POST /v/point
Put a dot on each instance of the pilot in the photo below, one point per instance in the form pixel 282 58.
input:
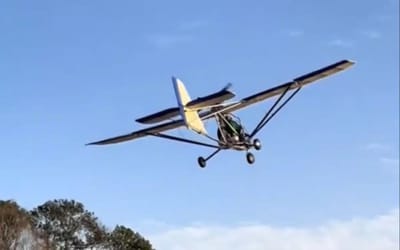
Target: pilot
pixel 233 128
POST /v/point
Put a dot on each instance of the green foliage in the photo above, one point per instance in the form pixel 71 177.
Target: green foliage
pixel 68 225
pixel 62 224
pixel 124 238
pixel 13 221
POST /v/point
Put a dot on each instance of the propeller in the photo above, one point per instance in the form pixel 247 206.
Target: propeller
pixel 228 86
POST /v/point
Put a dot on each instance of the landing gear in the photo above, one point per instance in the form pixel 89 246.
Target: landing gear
pixel 250 158
pixel 202 162
pixel 257 144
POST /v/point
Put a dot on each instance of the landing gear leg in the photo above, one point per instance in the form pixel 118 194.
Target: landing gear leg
pixel 250 158
pixel 203 161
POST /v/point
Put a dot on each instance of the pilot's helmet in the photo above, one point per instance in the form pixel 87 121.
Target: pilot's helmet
pixel 229 117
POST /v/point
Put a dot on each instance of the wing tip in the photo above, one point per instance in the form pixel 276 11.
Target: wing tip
pixel 102 142
pixel 348 62
pixel 345 64
pixel 91 143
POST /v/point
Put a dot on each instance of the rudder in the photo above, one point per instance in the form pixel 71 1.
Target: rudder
pixel 190 116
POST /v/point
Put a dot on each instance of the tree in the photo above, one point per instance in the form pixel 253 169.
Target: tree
pixel 65 224
pixel 62 224
pixel 15 225
pixel 124 238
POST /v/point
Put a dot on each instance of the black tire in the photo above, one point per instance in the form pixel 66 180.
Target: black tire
pixel 257 144
pixel 202 162
pixel 250 158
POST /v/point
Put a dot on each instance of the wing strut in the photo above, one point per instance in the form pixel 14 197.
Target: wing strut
pixel 269 115
pixel 175 138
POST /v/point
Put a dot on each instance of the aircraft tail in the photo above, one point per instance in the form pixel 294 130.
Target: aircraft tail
pixel 190 116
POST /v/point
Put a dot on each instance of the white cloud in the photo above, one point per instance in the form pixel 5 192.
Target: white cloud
pixel 386 158
pixel 371 34
pixel 379 233
pixel 390 161
pixel 182 34
pixel 391 165
pixel 295 33
pixel 376 147
pixel 165 41
pixel 341 43
pixel 384 18
pixel 193 25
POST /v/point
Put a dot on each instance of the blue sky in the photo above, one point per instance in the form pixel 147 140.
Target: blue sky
pixel 75 72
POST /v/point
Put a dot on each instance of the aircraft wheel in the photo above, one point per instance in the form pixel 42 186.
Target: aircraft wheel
pixel 257 144
pixel 202 162
pixel 250 158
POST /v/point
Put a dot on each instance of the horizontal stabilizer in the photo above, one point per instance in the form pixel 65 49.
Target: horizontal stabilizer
pixel 197 104
pixel 210 100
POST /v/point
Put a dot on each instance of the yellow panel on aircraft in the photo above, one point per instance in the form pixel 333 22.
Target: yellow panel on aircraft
pixel 190 116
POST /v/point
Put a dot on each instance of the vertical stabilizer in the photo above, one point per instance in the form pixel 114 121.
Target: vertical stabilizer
pixel 190 116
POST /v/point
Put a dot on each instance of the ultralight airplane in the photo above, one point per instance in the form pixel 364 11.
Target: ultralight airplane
pixel 231 134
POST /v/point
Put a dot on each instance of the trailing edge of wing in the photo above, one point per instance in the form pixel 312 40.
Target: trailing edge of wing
pixel 297 82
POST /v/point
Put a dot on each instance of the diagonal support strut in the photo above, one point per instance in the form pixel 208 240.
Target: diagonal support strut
pixel 175 138
pixel 271 113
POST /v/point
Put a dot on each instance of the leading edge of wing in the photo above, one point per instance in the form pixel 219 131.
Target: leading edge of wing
pixel 140 133
pixel 153 130
pixel 295 83
pixel 324 72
